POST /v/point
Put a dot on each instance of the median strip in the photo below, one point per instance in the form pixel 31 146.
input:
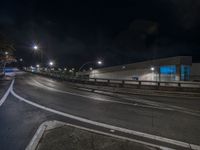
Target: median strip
pixel 51 133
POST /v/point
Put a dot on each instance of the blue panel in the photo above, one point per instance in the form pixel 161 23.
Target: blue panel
pixel 185 73
pixel 168 69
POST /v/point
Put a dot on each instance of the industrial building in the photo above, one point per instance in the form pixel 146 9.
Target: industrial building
pixel 178 68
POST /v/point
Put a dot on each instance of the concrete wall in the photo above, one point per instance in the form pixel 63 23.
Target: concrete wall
pixel 141 70
pixel 195 72
pixel 141 74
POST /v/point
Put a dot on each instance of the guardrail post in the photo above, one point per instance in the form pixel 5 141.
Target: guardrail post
pixel 139 84
pixel 108 81
pixel 122 83
pixel 179 84
pixel 95 80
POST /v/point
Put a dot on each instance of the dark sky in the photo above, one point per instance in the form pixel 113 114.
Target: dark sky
pixel 72 32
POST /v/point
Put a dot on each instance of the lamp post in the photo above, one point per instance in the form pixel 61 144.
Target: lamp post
pixel 38 49
pixel 99 62
pixel 51 63
pixel 152 69
pixel 35 47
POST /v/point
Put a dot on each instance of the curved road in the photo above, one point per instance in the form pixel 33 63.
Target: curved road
pixel 158 122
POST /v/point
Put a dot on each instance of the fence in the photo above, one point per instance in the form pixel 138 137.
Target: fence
pixel 159 85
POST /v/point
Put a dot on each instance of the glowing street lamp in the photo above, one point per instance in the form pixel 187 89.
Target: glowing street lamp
pixel 51 63
pixel 35 47
pixel 99 62
pixel 6 53
pixel 152 68
pixel 37 65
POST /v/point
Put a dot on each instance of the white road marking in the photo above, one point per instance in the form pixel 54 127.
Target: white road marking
pixel 149 104
pixel 111 127
pixel 6 94
pixel 97 98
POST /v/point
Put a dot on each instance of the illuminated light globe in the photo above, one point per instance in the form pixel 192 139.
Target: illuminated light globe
pixel 51 63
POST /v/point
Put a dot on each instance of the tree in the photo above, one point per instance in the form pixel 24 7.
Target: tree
pixel 6 53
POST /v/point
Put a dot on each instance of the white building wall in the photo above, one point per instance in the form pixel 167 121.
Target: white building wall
pixel 195 71
pixel 141 74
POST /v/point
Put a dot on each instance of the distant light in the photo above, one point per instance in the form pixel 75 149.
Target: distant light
pixel 152 68
pixel 21 59
pixel 99 62
pixel 51 63
pixel 123 67
pixel 35 47
pixel 6 53
pixel 91 69
pixel 65 69
pixel 37 65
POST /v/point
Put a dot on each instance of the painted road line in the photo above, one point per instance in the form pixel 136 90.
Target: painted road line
pixel 147 103
pixel 124 130
pixel 6 94
pixel 97 98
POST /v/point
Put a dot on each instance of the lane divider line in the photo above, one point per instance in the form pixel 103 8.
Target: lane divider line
pixel 6 94
pixel 124 130
pixel 153 105
pixel 97 98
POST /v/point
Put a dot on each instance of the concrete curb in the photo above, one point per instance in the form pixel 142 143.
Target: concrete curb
pixel 47 125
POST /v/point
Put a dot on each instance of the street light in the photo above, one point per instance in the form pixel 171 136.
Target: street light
pixel 51 63
pixel 37 65
pixel 6 53
pixel 35 47
pixel 99 62
pixel 152 68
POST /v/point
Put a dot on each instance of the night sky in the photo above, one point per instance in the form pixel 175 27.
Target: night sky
pixel 73 32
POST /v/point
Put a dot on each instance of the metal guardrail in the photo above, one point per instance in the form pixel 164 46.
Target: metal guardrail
pixel 122 83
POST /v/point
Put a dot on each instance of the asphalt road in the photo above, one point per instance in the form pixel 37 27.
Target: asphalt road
pixel 39 99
